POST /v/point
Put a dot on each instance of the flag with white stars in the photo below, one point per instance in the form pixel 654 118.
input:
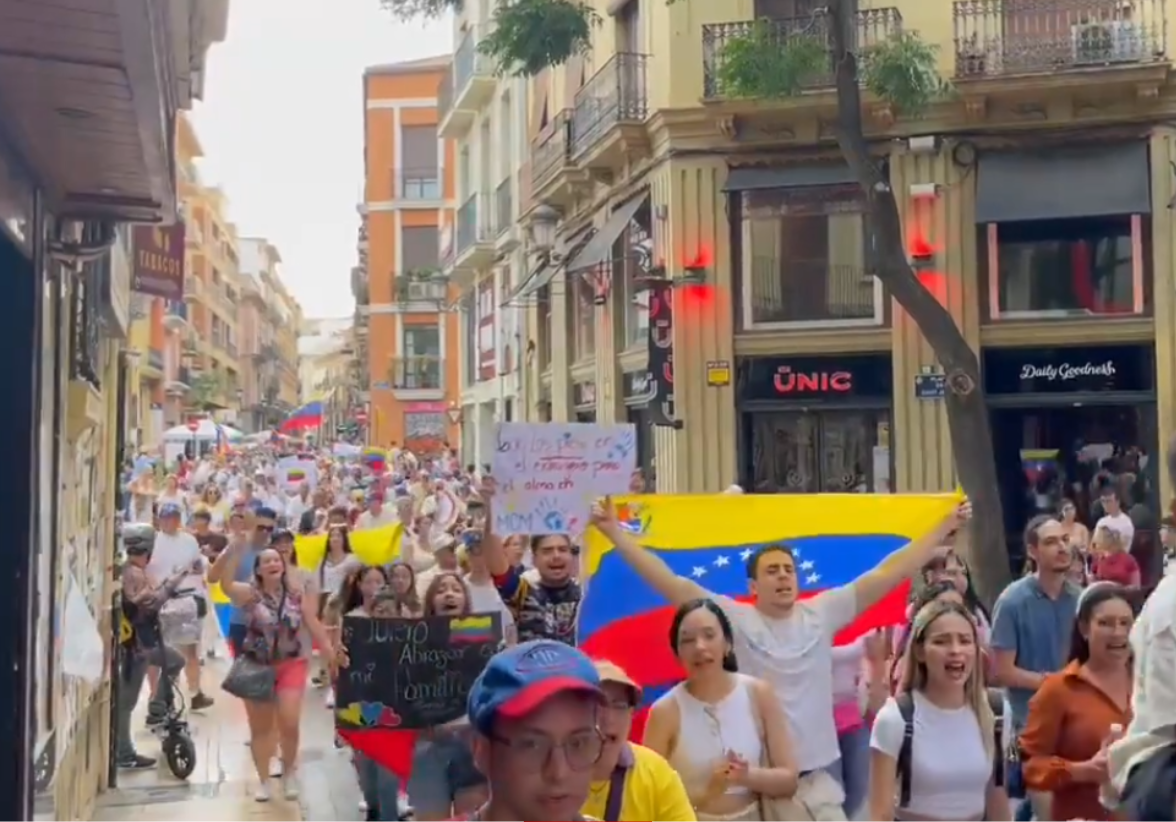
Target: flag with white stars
pixel 833 538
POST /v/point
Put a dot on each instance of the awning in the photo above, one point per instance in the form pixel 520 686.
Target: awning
pixel 1095 181
pixel 599 249
pixel 758 179
pixel 541 276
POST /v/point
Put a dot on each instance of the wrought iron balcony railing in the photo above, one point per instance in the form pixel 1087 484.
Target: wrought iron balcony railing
pixel 551 148
pixel 503 207
pixel 616 94
pixel 473 220
pixel 416 373
pixel 871 26
pixel 791 291
pixel 417 184
pixel 995 38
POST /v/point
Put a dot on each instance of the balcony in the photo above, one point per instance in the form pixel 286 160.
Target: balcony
pixel 421 292
pixel 1002 39
pixel 180 384
pixel 418 184
pixel 810 293
pixel 175 316
pixel 473 242
pixel 417 376
pixel 873 26
pixel 608 118
pixel 555 179
pixel 465 88
pixel 153 365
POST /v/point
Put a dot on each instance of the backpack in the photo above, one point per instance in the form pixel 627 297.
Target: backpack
pixel 906 707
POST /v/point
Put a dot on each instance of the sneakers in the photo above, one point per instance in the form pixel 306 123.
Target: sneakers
pixel 290 787
pixel 331 699
pixel 136 762
pixel 262 794
pixel 155 720
pixel 201 702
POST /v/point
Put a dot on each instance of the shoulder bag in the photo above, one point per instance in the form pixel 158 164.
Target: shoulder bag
pixel 252 680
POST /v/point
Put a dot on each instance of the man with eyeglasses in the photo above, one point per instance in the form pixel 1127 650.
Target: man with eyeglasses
pixel 535 711
pixel 256 539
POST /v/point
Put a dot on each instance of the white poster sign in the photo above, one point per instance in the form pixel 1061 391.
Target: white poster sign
pixel 293 471
pixel 549 474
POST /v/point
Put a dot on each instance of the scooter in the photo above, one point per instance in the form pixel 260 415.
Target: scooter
pixel 172 729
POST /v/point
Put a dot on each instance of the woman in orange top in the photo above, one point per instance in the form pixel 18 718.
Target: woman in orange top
pixel 1064 743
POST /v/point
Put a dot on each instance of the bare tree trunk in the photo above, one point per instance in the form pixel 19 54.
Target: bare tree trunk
pixel 967 410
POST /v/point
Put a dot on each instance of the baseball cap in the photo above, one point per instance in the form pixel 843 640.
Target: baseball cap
pixel 518 680
pixel 611 672
pixel 169 509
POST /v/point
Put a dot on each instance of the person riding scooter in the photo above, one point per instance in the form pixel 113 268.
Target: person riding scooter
pixel 142 642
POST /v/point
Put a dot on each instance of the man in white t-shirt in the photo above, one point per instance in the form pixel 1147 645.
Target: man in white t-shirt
pixel 1114 518
pixel 376 515
pixel 783 640
pixel 484 596
pixel 176 550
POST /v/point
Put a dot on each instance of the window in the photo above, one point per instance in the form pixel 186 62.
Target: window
pixel 419 177
pixel 469 348
pixel 419 248
pixel 422 341
pixel 632 257
pixel 805 259
pixel 545 329
pixel 1066 268
pixel 629 28
pixel 583 318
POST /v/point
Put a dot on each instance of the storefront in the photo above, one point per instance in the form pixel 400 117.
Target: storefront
pixel 637 390
pixel 1067 420
pixel 814 424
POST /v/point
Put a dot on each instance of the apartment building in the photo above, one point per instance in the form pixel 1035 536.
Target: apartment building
pixel 791 368
pixel 266 385
pixel 287 316
pixel 410 335
pixel 485 116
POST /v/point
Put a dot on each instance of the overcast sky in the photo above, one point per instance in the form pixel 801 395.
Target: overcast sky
pixel 282 128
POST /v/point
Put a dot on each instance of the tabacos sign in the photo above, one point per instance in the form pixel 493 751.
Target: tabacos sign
pixel 790 383
pixel 1066 371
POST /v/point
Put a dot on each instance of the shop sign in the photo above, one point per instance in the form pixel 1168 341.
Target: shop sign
pixel 1068 370
pixel 660 350
pixel 796 379
pixel 157 267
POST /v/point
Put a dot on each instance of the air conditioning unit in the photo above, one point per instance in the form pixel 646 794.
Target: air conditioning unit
pixel 1108 41
pixel 422 290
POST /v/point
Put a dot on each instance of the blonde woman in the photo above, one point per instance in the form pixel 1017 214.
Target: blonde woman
pixel 935 751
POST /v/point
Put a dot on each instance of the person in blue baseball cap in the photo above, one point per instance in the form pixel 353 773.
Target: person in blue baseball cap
pixel 534 713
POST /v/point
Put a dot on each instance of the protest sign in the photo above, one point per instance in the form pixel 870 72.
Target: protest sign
pixel 293 471
pixel 549 474
pixel 411 674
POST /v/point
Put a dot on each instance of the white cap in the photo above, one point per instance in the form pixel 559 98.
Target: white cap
pixel 733 489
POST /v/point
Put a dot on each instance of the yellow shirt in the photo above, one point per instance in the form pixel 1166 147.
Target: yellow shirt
pixel 653 790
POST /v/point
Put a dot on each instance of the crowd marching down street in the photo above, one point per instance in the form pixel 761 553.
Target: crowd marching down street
pixel 649 657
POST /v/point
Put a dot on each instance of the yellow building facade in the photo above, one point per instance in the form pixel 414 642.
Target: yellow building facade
pixel 1035 204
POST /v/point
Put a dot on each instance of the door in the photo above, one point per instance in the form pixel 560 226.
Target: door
pixel 809 452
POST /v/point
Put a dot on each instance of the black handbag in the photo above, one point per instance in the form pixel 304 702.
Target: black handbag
pixel 251 679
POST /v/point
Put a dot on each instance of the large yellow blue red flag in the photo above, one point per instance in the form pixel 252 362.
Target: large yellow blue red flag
pixel 835 539
pixel 375 546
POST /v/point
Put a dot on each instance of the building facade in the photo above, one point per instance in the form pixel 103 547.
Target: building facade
pixel 326 367
pixel 71 179
pixel 1035 205
pixel 410 335
pixel 485 116
pixel 265 367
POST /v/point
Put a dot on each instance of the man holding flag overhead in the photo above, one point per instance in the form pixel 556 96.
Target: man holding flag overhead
pixel 781 636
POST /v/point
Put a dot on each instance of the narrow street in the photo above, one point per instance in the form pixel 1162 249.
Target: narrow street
pixel 222 786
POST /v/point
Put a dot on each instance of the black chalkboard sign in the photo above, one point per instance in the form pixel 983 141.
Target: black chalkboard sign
pixel 411 673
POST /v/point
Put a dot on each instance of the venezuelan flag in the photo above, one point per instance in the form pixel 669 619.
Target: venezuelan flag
pixel 305 416
pixel 377 546
pixel 375 458
pixel 835 538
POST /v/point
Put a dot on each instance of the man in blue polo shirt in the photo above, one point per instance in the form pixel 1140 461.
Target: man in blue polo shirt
pixel 259 528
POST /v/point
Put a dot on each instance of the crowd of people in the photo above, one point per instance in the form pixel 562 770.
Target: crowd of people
pixel 1063 697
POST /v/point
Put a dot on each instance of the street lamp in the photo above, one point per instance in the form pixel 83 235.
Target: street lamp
pixel 544 221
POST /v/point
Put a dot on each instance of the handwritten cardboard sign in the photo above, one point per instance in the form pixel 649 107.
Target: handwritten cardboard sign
pixel 550 473
pixel 411 674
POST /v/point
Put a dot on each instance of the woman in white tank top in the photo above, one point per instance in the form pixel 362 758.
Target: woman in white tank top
pixel 722 731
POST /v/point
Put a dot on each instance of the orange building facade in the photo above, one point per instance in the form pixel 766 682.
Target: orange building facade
pixel 413 342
